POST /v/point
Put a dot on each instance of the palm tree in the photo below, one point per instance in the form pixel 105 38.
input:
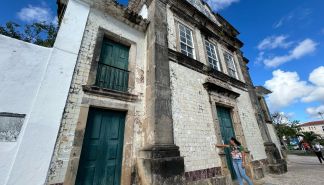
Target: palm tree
pixel 309 137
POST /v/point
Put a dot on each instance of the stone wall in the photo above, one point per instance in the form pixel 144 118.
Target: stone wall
pixel 250 126
pixel 194 129
pixel 10 126
pixel 68 147
pixel 274 137
pixel 199 37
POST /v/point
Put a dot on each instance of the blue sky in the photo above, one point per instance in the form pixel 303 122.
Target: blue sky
pixel 284 41
pixel 27 11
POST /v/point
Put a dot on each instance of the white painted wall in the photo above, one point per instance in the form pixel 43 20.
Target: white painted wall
pixel 22 66
pixel 37 84
pixel 317 129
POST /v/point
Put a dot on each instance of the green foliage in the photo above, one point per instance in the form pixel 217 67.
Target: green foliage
pixel 286 129
pixel 290 129
pixel 321 141
pixel 39 33
pixel 309 137
pixel 284 126
pixel 10 30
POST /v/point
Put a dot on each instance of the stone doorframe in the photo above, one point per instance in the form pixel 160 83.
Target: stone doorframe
pixel 89 101
pixel 220 94
pixel 106 34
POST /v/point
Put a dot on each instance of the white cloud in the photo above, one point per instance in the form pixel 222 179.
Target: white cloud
pixel 279 23
pixel 315 112
pixel 284 20
pixel 220 4
pixel 317 78
pixel 299 14
pixel 316 95
pixel 259 58
pixel 274 42
pixel 286 88
pixel 305 47
pixel 55 20
pixel 36 14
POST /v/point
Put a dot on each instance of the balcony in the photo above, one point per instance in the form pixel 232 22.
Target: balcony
pixel 110 77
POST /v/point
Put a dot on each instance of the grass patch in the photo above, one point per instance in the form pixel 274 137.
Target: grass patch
pixel 301 152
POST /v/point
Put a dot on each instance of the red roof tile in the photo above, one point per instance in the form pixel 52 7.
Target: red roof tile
pixel 321 122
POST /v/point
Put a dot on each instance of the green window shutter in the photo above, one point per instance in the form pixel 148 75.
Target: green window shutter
pixel 112 70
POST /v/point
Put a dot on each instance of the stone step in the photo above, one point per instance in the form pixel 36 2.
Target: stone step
pixel 277 168
pixel 258 173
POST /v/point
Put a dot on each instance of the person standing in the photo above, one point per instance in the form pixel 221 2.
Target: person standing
pixel 238 159
pixel 318 152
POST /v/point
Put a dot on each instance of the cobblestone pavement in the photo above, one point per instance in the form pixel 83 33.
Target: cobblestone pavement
pixel 302 170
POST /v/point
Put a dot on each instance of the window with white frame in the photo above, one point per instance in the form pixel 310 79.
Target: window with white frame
pixel 230 65
pixel 186 41
pixel 212 55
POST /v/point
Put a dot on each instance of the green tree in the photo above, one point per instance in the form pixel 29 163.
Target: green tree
pixel 286 129
pixel 40 33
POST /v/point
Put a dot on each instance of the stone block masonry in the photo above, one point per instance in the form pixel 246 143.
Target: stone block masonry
pixel 250 126
pixel 10 126
pixel 274 137
pixel 194 130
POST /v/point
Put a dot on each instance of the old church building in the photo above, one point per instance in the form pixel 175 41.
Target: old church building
pixel 152 88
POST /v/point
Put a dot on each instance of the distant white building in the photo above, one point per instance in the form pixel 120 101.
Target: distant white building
pixel 314 126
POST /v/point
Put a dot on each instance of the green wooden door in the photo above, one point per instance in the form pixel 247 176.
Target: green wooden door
pixel 101 156
pixel 113 66
pixel 227 131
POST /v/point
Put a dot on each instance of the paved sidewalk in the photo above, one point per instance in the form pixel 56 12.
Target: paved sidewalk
pixel 302 170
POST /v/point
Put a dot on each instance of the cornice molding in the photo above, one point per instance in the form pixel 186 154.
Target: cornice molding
pixel 109 93
pixel 197 66
pixel 225 36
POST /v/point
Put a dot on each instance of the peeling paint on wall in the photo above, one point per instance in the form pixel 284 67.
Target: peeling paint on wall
pixel 10 126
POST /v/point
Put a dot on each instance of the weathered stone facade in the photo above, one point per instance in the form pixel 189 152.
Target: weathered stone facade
pixel 171 124
pixel 69 142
